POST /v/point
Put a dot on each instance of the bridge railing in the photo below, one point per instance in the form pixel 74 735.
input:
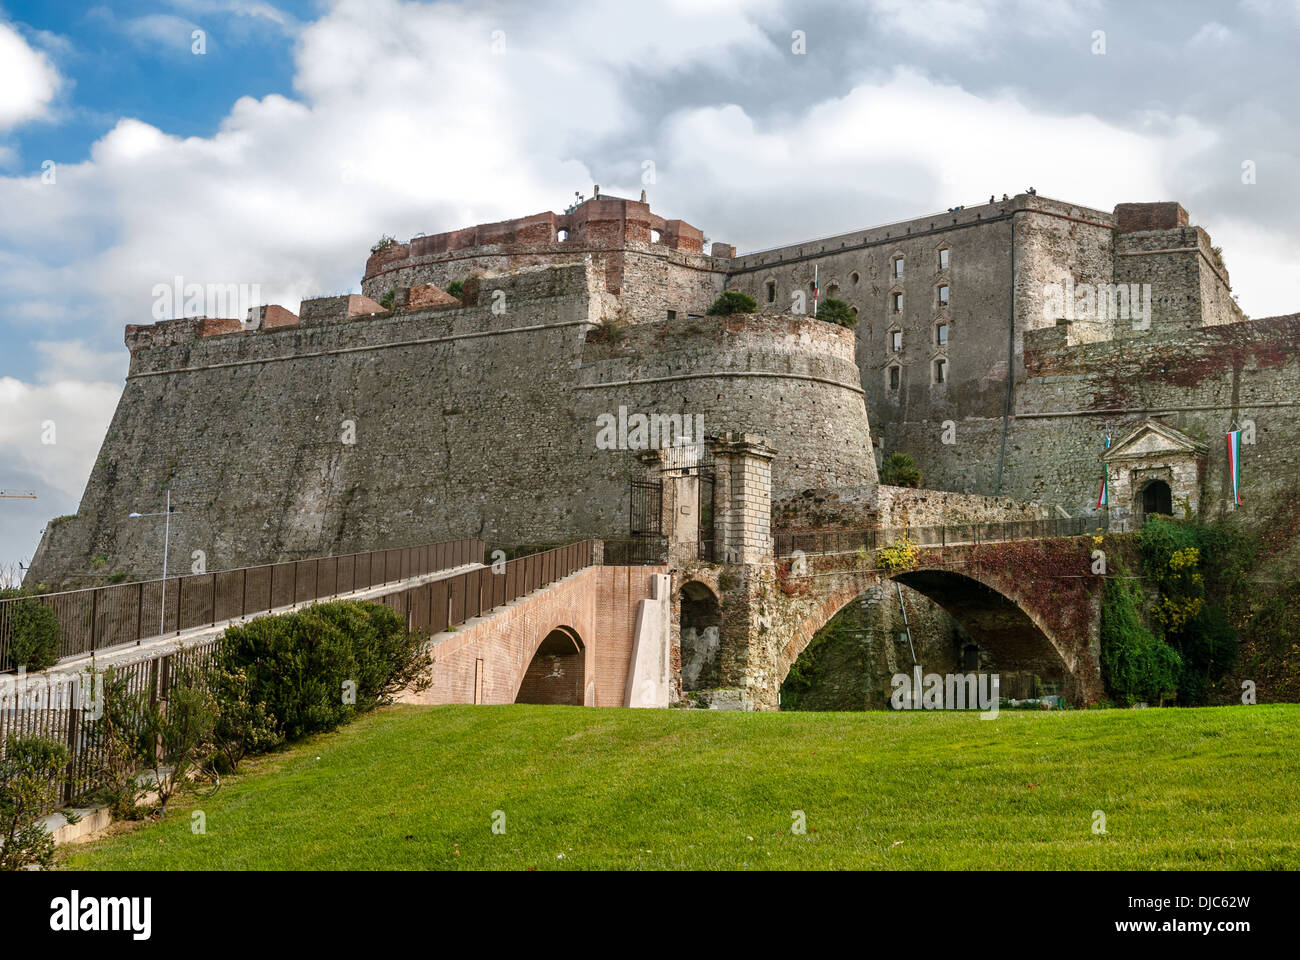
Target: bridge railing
pixel 789 542
pixel 96 618
pixel 434 607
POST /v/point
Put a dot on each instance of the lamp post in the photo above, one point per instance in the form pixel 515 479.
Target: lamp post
pixel 167 522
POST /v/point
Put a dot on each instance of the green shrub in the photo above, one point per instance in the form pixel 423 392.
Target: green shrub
pixel 242 726
pixel 733 301
pixel 900 470
pixel 34 635
pixel 833 310
pixel 312 670
pixel 29 787
pixel 389 299
pixel 456 288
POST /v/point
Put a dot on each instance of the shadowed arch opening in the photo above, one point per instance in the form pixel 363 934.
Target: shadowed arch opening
pixel 1014 642
pixel 701 624
pixel 557 672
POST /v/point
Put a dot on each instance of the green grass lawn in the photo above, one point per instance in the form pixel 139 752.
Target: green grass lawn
pixel 416 788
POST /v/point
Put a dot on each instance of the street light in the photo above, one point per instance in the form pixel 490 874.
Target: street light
pixel 167 513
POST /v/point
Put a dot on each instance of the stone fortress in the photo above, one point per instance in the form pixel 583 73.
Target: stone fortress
pixel 406 415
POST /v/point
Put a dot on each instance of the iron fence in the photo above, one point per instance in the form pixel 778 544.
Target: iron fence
pixel 849 541
pixel 97 618
pixel 637 551
pixel 431 608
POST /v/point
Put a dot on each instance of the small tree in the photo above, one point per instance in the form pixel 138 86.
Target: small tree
pixel 29 786
pixel 833 310
pixel 34 642
pixel 733 301
pixel 182 728
pixel 900 470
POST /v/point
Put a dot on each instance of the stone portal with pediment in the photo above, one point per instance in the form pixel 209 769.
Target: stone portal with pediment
pixel 1149 456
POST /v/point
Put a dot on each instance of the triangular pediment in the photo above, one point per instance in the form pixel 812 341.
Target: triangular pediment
pixel 1153 439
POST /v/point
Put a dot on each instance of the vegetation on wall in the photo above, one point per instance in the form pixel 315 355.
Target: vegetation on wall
pixel 1136 666
pixel 900 470
pixel 733 301
pixel 456 288
pixel 833 310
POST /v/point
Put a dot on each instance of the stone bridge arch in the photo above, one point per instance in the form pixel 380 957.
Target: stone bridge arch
pixel 1050 630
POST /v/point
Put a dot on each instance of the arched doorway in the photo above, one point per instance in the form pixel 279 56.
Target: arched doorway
pixel 1157 498
pixel 557 671
pixel 701 623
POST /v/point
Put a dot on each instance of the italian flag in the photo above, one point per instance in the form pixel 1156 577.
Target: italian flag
pixel 1103 498
pixel 1234 465
pixel 816 290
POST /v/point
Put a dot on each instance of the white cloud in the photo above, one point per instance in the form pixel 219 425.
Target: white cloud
pixel 28 81
pixel 79 412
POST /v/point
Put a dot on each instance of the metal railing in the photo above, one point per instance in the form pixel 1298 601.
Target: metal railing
pixel 636 551
pixel 431 608
pixel 97 618
pixel 849 541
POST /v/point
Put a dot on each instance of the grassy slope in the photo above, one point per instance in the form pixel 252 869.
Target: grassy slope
pixel 408 787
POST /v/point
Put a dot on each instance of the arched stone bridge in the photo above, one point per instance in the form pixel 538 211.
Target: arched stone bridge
pixel 1033 605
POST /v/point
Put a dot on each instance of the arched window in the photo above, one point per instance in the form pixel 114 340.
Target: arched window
pixel 654 236
pixel 854 277
pixel 562 235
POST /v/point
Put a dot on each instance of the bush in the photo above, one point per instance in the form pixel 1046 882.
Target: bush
pixel 29 787
pixel 733 301
pixel 312 670
pixel 900 470
pixel 34 637
pixel 242 726
pixel 833 310
pixel 456 288
pixel 389 299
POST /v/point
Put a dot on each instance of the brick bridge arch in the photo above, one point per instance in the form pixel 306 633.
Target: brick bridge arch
pixel 1031 604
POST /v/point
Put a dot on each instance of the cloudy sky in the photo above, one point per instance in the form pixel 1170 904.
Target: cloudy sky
pixel 278 144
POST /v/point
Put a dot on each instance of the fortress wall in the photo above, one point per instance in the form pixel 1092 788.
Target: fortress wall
pixel 465 424
pixel 465 430
pixel 790 379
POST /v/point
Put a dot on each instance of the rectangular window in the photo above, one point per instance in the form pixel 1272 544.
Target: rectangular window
pixel 672 314
pixel 896 300
pixel 896 340
pixel 939 368
pixel 943 259
pixel 898 267
pixel 941 334
pixel 893 378
pixel 943 295
pixel 771 293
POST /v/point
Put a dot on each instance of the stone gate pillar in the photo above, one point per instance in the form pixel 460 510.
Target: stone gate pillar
pixel 742 512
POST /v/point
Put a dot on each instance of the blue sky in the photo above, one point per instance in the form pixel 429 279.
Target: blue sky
pixel 305 131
